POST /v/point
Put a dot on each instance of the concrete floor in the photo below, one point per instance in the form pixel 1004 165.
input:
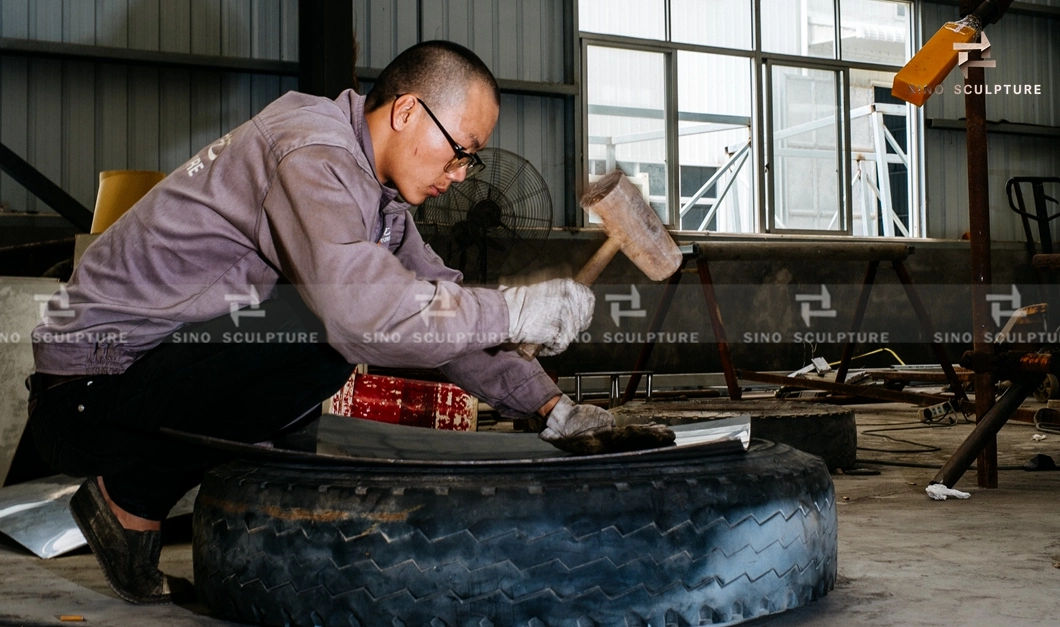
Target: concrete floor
pixel 904 559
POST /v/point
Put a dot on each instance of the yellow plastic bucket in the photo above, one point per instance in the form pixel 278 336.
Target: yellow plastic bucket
pixel 118 191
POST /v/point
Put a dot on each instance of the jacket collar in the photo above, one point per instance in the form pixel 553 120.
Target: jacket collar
pixel 390 199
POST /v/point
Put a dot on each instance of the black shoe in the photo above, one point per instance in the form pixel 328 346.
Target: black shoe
pixel 129 559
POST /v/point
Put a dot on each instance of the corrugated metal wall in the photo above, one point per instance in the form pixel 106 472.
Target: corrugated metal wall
pixel 73 119
pixel 1027 51
pixel 259 29
pixel 518 39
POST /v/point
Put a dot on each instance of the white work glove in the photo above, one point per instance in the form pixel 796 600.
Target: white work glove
pixel 551 313
pixel 590 430
pixel 567 422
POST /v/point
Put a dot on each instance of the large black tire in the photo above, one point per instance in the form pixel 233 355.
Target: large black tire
pixel 827 431
pixel 638 540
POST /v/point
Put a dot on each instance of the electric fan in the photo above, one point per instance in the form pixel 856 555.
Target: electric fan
pixel 492 224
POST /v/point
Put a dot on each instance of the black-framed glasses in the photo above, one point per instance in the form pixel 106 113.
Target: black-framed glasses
pixel 462 158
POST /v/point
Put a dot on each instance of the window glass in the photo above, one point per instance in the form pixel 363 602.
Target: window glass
pixel 805 28
pixel 805 165
pixel 881 187
pixel 815 181
pixel 724 23
pixel 875 31
pixel 714 122
pixel 627 122
pixel 632 18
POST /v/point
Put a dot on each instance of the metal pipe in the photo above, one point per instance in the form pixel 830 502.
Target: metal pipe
pixel 43 188
pixel 929 329
pixel 979 221
pixel 707 283
pixel 656 324
pixel 714 179
pixel 988 11
pixel 985 431
pixel 859 317
pixel 804 251
pixel 850 389
pixel 725 191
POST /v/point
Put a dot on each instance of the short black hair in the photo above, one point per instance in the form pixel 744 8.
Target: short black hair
pixel 439 72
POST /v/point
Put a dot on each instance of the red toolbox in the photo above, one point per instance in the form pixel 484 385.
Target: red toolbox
pixel 407 402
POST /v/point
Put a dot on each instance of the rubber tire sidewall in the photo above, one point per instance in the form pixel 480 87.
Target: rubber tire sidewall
pixel 717 539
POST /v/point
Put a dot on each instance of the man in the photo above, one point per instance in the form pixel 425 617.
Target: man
pixel 306 207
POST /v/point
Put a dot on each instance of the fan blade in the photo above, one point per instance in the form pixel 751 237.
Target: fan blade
pixel 515 177
pixel 460 190
pixel 514 202
pixel 495 245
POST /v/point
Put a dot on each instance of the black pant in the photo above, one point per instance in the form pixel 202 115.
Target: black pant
pixel 238 386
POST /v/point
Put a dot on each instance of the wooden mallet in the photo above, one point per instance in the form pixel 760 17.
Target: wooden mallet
pixel 632 227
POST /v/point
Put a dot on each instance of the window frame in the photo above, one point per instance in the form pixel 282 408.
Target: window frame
pixel 762 178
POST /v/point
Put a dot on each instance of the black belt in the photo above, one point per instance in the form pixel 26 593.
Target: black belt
pixel 40 381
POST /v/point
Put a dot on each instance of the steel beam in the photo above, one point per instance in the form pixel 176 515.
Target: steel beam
pixel 42 187
pixel 325 47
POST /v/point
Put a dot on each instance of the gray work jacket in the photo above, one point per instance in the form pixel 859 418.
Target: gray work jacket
pixel 291 193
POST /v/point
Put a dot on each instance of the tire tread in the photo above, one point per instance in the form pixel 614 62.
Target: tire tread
pixel 262 554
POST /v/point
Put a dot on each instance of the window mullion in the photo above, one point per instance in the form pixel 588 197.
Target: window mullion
pixel 845 156
pixel 837 29
pixel 758 134
pixel 673 170
pixel 666 21
pixel 767 169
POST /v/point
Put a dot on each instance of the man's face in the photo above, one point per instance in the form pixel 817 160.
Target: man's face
pixel 419 169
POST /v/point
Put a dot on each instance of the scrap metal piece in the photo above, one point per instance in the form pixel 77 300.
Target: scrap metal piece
pixel 1025 322
pixel 36 514
pixel 349 442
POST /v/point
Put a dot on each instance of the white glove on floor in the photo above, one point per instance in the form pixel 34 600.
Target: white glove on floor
pixel 567 420
pixel 551 313
pixel 939 492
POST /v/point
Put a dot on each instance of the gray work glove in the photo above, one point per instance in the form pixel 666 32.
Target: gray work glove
pixel 551 313
pixel 590 430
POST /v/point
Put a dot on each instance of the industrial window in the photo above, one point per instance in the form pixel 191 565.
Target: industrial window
pixel 733 124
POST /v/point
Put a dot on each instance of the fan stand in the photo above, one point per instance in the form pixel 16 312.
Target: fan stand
pixel 481 217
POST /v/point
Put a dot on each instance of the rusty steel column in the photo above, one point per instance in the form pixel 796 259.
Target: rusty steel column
pixel 656 324
pixel 979 221
pixel 929 330
pixel 859 317
pixel 986 428
pixel 707 283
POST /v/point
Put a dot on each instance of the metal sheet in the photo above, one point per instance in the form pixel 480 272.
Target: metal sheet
pixel 36 514
pixel 352 442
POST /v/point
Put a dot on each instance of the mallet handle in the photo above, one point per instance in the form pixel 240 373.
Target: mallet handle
pixel 596 264
pixel 586 276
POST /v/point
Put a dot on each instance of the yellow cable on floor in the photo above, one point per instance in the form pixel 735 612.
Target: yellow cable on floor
pixel 878 350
